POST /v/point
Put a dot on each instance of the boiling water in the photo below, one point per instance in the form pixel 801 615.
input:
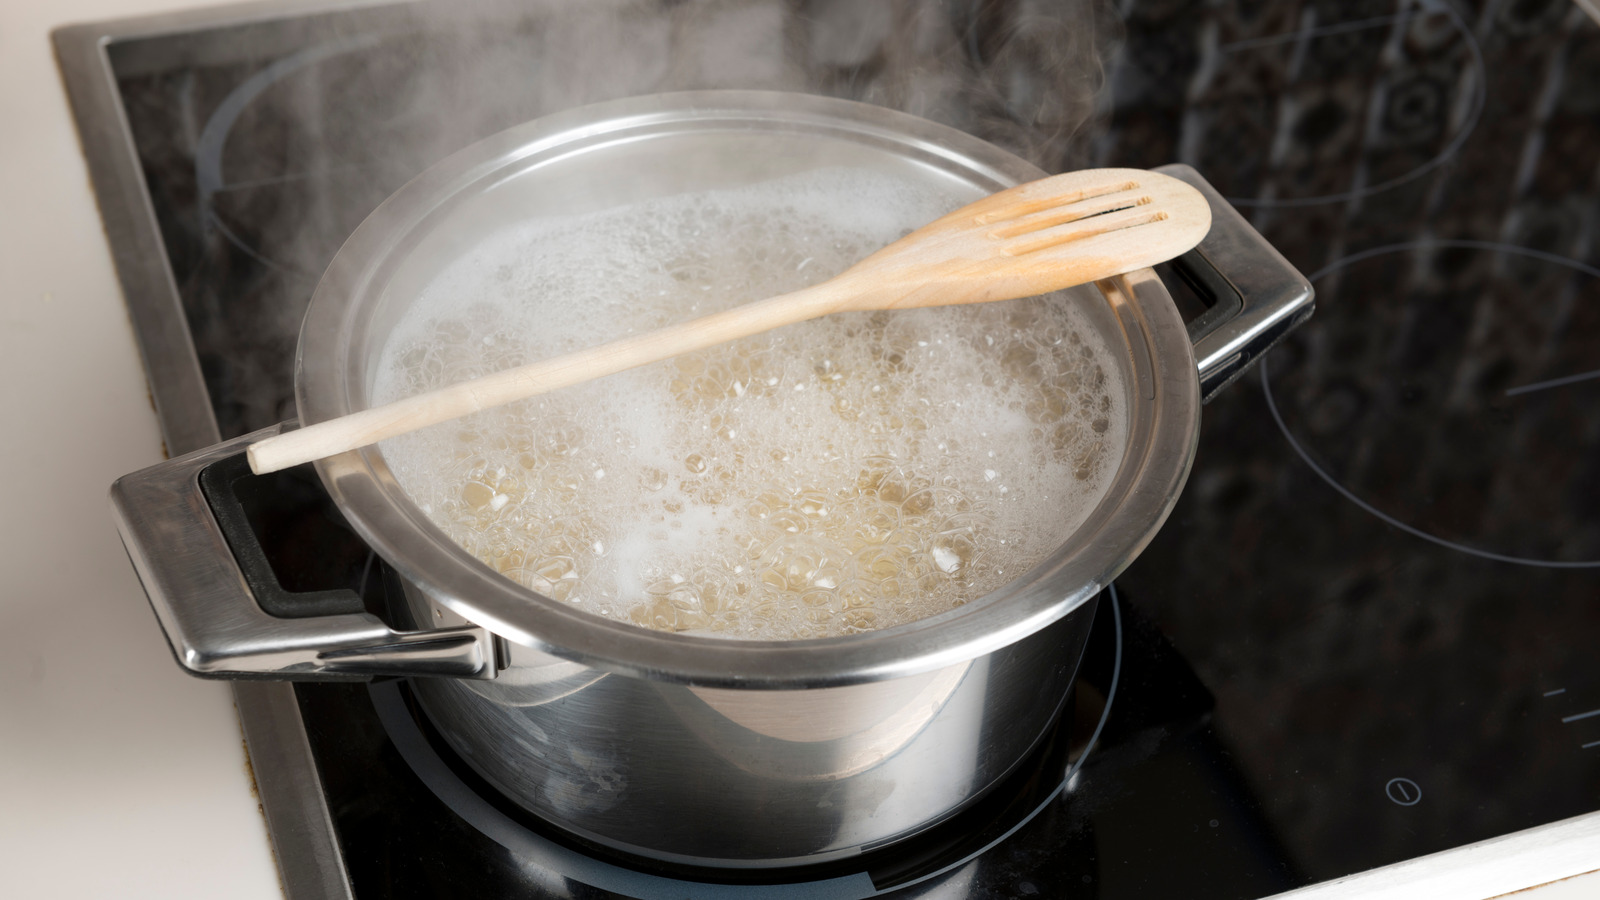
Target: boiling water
pixel 849 473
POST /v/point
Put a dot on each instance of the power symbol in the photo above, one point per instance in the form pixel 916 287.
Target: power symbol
pixel 1403 791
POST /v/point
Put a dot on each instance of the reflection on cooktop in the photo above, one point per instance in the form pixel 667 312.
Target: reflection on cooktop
pixel 1133 765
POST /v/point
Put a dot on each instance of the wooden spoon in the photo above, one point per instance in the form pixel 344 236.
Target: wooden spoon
pixel 1031 239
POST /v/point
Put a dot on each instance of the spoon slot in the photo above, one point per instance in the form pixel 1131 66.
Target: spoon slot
pixel 1063 215
pixel 1066 234
pixel 1024 207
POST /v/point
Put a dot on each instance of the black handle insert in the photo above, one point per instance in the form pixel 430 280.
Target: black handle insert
pixel 294 547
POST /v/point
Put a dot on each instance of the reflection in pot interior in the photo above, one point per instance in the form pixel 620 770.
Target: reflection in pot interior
pixel 839 731
pixel 846 474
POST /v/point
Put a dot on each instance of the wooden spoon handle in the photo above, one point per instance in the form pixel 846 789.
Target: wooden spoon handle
pixel 372 425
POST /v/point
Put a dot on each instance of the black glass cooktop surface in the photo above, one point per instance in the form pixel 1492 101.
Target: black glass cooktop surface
pixel 1367 631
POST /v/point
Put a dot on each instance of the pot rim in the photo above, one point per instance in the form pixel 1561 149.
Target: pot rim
pixel 1164 408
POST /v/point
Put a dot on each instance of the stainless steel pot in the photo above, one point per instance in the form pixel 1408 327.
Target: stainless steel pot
pixel 695 749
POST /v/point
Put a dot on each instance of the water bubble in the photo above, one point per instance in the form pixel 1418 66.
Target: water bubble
pixel 477 495
pixel 820 512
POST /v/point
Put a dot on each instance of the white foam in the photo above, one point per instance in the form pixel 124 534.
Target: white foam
pixel 848 473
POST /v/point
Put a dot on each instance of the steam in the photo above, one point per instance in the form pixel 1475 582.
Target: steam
pixel 1025 74
pixel 371 97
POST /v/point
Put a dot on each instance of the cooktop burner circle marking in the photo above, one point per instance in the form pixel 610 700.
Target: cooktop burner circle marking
pixel 1480 91
pixel 566 864
pixel 1553 383
pixel 1305 456
pixel 209 146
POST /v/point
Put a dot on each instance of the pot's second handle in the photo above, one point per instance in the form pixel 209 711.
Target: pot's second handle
pixel 222 608
pixel 1260 296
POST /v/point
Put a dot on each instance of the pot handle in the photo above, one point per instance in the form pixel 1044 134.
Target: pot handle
pixel 222 608
pixel 1258 297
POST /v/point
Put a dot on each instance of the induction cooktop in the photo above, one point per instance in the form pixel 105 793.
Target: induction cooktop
pixel 1364 637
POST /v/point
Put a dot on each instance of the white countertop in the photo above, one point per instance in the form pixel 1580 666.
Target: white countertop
pixel 119 775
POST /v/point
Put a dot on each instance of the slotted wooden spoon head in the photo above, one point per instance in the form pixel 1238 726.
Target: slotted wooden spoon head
pixel 1035 238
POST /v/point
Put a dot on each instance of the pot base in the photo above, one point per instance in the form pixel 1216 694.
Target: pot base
pixel 666 776
pixel 1011 803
